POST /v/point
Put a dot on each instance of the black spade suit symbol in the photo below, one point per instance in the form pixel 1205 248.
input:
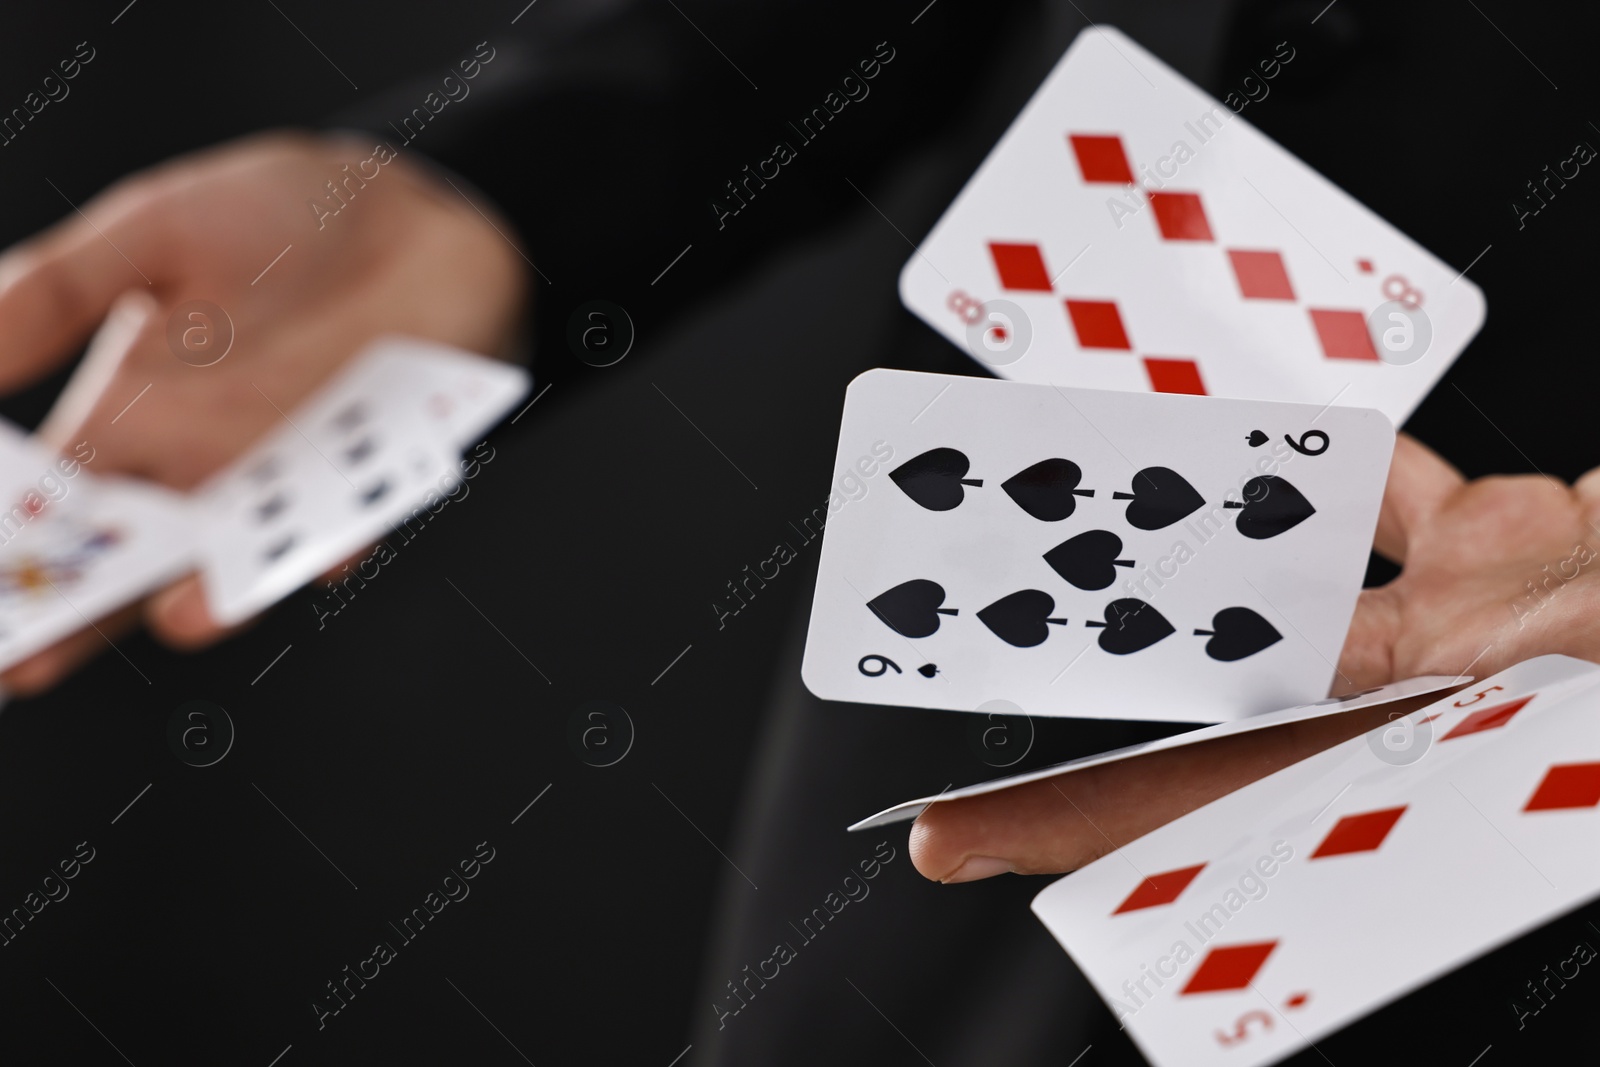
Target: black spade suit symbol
pixel 1270 506
pixel 1236 633
pixel 1161 496
pixel 911 609
pixel 1048 489
pixel 1131 625
pixel 934 479
pixel 1089 560
pixel 1256 439
pixel 1021 618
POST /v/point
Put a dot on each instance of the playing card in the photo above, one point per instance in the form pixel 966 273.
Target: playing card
pixel 1033 549
pixel 366 452
pixel 1130 232
pixel 1366 698
pixel 74 548
pixel 355 460
pixel 462 394
pixel 1251 927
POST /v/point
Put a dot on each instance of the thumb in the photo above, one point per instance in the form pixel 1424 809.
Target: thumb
pixel 57 286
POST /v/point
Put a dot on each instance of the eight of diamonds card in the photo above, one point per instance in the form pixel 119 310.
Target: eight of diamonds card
pixel 1129 232
pixel 1092 554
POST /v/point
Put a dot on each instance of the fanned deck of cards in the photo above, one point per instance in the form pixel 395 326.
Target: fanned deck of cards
pixel 378 441
pixel 1167 514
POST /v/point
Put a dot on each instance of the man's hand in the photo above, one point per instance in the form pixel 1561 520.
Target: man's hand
pixel 1494 572
pixel 405 253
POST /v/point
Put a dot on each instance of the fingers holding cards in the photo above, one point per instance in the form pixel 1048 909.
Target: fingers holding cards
pixel 1062 823
pixel 1398 698
pixel 372 449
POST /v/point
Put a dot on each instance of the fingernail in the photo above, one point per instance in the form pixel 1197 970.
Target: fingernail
pixel 977 867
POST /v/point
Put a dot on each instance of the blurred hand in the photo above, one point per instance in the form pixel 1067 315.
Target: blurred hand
pixel 1471 554
pixel 406 253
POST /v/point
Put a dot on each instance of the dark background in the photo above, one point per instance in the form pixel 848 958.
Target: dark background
pixel 414 724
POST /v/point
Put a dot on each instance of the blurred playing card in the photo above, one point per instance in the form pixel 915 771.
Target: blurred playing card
pixel 74 548
pixel 369 450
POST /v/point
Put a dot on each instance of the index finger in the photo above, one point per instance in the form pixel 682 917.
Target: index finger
pixel 56 287
pixel 1059 824
pixel 1419 482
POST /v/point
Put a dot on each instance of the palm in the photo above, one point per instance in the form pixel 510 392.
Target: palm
pixel 1495 571
pixel 1462 605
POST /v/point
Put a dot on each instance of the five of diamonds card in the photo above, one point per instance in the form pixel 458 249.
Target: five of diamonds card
pixel 1255 925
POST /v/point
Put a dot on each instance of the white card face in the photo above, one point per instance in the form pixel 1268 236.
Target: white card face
pixel 1251 927
pixel 1129 556
pixel 1230 268
pixel 22 463
pixel 83 549
pixel 462 394
pixel 1367 698
pixel 356 459
pixel 360 456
